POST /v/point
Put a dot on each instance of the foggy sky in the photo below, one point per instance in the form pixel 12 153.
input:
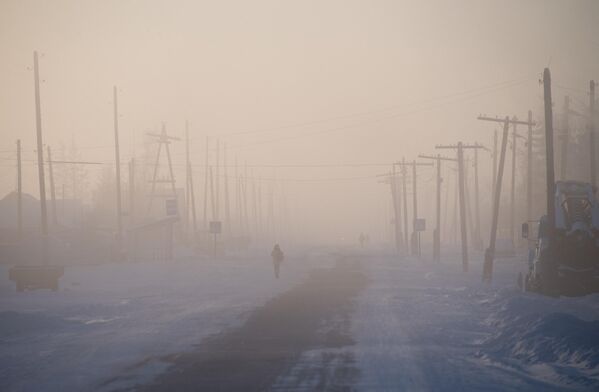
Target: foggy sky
pixel 288 69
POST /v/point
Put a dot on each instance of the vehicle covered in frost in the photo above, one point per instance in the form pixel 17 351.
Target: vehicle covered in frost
pixel 570 266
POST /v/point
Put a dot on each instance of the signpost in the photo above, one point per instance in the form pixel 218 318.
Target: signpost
pixel 215 228
pixel 171 207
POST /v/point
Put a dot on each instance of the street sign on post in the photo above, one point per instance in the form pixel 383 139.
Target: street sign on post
pixel 215 227
pixel 419 224
pixel 171 207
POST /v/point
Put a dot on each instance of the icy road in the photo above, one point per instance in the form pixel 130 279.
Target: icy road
pixel 336 320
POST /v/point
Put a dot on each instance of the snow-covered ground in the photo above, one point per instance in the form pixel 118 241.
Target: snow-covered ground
pixel 425 326
pixel 108 317
pixel 415 326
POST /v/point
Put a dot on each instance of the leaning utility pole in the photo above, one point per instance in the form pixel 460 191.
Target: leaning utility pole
pixel 52 189
pixel 19 192
pixel 514 122
pixel 490 252
pixel 40 160
pixel 119 212
pixel 591 131
pixel 462 196
pixel 437 231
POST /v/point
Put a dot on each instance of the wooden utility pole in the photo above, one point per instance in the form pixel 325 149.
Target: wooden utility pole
pixel 513 187
pixel 549 158
pixel 591 131
pixel 217 179
pixel 193 204
pixel 478 243
pixel 415 244
pixel 19 192
pixel 437 231
pixel 119 211
pixel 529 170
pixel 515 135
pixel 490 252
pixel 187 179
pixel 462 207
pixel 462 196
pixel 564 139
pixel 40 160
pixel 132 191
pixel 212 199
pixel 238 198
pixel 52 188
pixel 396 210
pixel 206 162
pixel 494 161
pixel 226 190
pixel 404 174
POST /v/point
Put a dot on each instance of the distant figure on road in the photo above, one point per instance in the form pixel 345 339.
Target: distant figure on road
pixel 362 240
pixel 277 258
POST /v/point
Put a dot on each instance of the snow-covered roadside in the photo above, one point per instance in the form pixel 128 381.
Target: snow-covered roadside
pixel 424 326
pixel 108 317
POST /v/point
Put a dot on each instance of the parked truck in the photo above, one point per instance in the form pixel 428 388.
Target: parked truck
pixel 570 265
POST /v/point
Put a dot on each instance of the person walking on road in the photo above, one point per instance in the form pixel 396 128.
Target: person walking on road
pixel 277 258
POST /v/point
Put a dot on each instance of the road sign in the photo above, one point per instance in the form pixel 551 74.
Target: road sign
pixel 419 224
pixel 171 207
pixel 215 227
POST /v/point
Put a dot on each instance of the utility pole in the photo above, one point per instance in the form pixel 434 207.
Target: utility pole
pixel 437 232
pixel 206 161
pixel 19 192
pixel 187 178
pixel 591 131
pixel 490 252
pixel 396 210
pixel 564 140
pixel 513 187
pixel 478 243
pixel 494 161
pixel 404 174
pixel 530 123
pixel 119 218
pixel 40 160
pixel 462 207
pixel 529 169
pixel 462 194
pixel 132 191
pixel 52 189
pixel 163 139
pixel 217 180
pixel 227 200
pixel 193 203
pixel 415 244
pixel 549 157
